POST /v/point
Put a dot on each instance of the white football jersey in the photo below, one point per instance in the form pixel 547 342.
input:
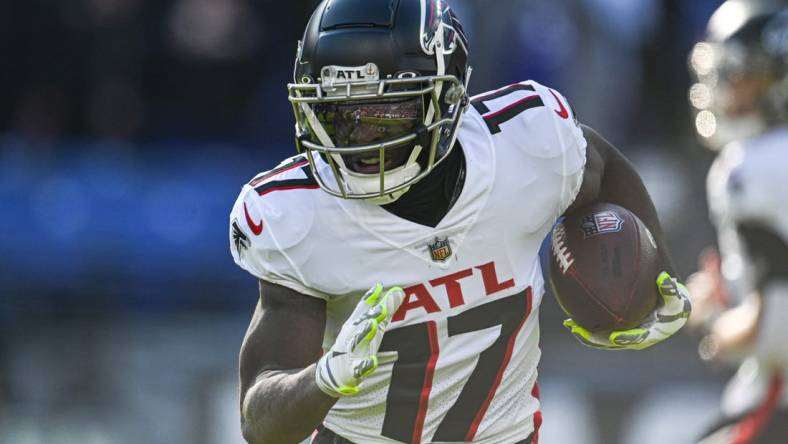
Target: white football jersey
pixel 459 361
pixel 747 184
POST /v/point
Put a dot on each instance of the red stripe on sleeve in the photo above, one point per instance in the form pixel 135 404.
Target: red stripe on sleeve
pixel 499 90
pixel 275 173
pixel 510 106
pixel 289 187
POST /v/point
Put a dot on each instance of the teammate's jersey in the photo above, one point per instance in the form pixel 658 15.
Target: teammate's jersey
pixel 747 186
pixel 459 360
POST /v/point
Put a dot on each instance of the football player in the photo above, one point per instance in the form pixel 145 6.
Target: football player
pixel 741 293
pixel 397 256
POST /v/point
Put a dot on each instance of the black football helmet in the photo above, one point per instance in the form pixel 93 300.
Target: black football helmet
pixel 741 87
pixel 380 87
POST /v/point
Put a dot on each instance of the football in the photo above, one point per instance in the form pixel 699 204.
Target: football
pixel 603 267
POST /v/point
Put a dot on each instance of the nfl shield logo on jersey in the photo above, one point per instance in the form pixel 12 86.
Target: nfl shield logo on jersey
pixel 440 250
pixel 601 223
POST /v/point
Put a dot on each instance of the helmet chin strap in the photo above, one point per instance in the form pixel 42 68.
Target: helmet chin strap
pixel 316 126
pixel 370 183
pixel 388 198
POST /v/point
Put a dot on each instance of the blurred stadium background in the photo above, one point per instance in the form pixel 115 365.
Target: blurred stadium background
pixel 126 130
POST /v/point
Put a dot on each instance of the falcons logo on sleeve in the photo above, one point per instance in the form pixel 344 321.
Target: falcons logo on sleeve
pixel 240 240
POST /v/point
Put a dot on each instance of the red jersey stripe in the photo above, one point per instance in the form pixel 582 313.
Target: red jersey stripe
pixel 418 428
pixel 499 376
pixel 276 172
pixel 288 187
pixel 512 105
pixel 749 428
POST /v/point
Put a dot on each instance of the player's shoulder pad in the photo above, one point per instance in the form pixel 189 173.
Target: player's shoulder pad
pixel 536 119
pixel 275 210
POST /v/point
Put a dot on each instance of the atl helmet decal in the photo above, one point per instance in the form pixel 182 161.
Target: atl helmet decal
pixel 601 223
pixel 440 249
pixel 334 75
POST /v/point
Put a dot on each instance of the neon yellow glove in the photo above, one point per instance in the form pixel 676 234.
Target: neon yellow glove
pixel 663 322
pixel 353 356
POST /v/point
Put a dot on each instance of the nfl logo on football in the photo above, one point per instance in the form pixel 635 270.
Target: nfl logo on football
pixel 601 223
pixel 440 250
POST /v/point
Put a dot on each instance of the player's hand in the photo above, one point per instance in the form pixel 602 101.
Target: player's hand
pixel 353 356
pixel 707 290
pixel 668 318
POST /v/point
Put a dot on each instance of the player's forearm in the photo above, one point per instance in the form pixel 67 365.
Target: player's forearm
pixel 283 407
pixel 622 185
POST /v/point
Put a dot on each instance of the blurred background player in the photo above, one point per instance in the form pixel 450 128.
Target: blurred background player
pixel 740 295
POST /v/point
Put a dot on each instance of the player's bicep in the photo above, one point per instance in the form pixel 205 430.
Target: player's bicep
pixel 597 149
pixel 285 333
